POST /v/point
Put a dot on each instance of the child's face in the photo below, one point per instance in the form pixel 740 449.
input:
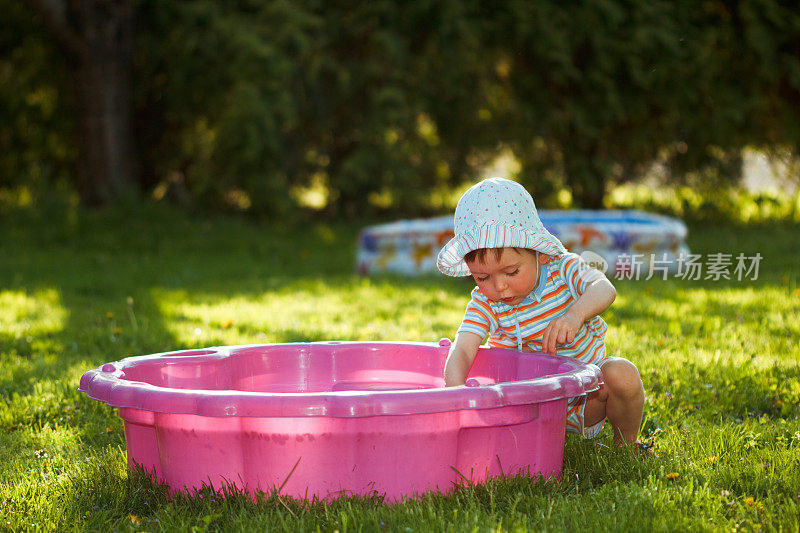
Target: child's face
pixel 508 279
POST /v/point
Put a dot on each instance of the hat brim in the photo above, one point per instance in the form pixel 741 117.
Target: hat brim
pixel 492 235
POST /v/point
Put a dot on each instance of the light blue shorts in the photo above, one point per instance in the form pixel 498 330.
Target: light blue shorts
pixel 575 407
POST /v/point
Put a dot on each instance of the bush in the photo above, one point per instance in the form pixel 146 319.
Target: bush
pixel 381 106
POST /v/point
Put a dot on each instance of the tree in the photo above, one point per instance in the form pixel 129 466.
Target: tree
pixel 95 38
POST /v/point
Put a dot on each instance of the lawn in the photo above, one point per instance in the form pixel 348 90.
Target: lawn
pixel 719 360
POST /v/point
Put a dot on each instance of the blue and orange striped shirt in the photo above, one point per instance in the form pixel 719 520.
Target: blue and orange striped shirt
pixel 561 283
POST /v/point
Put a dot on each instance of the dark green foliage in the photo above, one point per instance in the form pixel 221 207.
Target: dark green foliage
pixel 35 144
pixel 383 106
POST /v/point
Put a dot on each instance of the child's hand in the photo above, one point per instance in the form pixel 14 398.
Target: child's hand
pixel 459 359
pixel 560 330
pixel 594 300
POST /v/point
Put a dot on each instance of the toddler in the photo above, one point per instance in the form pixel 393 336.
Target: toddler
pixel 532 294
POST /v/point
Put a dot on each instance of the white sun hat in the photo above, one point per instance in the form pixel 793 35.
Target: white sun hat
pixel 495 213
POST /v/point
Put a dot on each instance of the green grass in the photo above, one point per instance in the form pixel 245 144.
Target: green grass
pixel 719 360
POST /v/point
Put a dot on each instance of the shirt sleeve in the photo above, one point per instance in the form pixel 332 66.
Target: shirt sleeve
pixel 478 317
pixel 577 274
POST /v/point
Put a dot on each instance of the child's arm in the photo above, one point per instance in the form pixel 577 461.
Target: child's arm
pixel 459 359
pixel 595 299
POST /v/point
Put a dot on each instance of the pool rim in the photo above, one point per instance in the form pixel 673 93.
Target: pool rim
pixel 107 384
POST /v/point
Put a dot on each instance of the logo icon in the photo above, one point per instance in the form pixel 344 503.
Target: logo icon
pixel 595 261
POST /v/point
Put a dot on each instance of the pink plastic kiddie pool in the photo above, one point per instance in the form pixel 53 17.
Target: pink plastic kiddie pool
pixel 331 418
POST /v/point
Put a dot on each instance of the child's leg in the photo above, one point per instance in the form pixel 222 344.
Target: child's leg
pixel 620 399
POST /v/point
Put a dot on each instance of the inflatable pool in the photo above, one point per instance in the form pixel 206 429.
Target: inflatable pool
pixel 410 246
pixel 319 420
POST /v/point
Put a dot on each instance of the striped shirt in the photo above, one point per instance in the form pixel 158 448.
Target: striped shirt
pixel 561 283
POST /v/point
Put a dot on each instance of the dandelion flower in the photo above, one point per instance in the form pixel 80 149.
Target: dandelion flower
pixel 673 475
